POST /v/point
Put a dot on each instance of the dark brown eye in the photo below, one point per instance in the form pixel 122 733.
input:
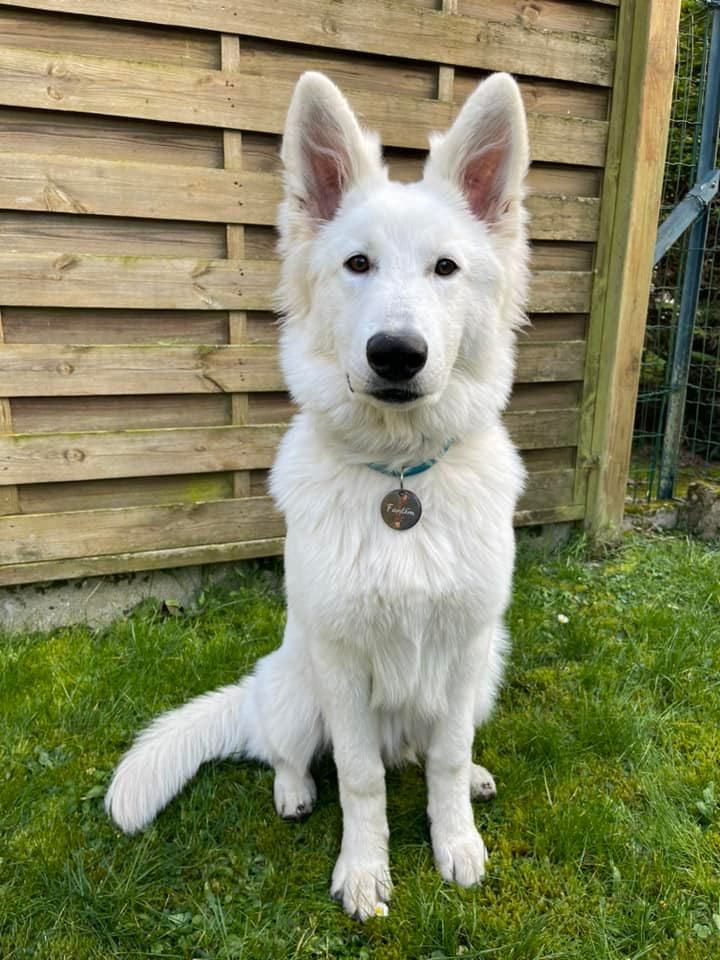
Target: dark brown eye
pixel 445 267
pixel 358 263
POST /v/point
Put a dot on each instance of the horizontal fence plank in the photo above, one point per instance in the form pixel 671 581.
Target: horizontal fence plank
pixel 55 279
pixel 566 513
pixel 63 569
pixel 35 370
pixel 548 488
pixel 56 497
pixel 548 360
pixel 399 29
pixel 60 536
pixel 243 101
pixel 66 457
pixel 543 429
pixel 58 31
pixel 90 326
pixel 576 17
pixel 78 280
pixel 48 370
pixel 124 189
pixel 116 138
pixel 38 458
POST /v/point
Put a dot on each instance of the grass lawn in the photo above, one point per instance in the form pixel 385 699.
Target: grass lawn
pixel 604 839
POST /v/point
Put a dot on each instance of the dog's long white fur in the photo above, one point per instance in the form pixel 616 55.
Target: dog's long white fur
pixel 394 644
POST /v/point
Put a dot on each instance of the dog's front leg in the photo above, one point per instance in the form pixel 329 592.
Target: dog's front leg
pixel 361 878
pixel 457 846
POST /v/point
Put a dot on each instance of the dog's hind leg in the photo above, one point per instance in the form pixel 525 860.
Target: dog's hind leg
pixel 289 723
pixel 269 716
pixel 482 783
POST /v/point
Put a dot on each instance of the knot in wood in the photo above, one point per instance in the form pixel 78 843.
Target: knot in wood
pixel 530 14
pixel 65 368
pixel 56 69
pixel 74 456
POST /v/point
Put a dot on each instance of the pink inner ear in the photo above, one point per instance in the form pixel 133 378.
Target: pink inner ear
pixel 326 166
pixel 483 182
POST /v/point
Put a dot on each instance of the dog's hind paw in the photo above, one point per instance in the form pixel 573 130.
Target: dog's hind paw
pixel 294 795
pixel 364 889
pixel 461 859
pixel 482 784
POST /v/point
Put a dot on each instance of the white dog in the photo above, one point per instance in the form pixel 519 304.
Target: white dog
pixel 398 482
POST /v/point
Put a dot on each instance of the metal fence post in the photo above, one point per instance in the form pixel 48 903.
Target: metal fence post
pixel 693 272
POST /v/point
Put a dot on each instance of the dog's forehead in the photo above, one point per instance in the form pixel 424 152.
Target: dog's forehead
pixel 412 214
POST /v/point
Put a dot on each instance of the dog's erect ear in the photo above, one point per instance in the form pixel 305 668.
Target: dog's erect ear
pixel 485 152
pixel 324 150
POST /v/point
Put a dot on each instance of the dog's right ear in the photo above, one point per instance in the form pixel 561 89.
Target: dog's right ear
pixel 324 151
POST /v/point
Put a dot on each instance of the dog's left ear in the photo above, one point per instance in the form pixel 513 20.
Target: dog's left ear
pixel 485 153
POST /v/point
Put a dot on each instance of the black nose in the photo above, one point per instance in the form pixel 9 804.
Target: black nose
pixel 396 357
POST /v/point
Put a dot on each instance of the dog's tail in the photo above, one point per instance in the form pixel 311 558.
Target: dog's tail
pixel 169 752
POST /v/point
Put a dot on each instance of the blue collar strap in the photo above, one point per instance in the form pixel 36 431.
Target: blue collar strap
pixel 410 471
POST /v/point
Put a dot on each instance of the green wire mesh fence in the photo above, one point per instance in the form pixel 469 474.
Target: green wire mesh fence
pixel 699 448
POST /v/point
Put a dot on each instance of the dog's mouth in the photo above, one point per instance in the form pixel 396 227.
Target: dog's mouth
pixel 380 395
pixel 395 395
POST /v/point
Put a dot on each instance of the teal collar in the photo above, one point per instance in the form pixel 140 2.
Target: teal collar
pixel 410 471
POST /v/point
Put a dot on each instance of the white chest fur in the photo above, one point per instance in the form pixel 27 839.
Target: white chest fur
pixel 405 604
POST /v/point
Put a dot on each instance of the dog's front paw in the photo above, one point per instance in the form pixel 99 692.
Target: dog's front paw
pixel 363 888
pixel 460 858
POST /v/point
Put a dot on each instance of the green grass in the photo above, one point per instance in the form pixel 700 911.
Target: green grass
pixel 604 839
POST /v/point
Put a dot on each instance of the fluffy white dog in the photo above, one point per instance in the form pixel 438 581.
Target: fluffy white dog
pixel 398 482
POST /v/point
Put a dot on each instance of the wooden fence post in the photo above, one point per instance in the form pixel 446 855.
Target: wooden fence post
pixel 640 111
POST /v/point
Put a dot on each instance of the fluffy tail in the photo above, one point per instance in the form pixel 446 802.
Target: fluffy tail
pixel 169 752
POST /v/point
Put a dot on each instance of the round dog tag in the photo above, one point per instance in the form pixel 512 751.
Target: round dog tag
pixel 401 509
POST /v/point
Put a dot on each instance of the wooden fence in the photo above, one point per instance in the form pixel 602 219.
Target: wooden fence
pixel 140 397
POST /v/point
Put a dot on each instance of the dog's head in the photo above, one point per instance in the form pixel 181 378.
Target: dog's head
pixel 400 300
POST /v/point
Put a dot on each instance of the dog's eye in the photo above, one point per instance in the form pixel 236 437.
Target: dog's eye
pixel 358 263
pixel 445 267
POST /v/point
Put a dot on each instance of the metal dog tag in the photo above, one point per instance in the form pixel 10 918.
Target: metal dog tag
pixel 401 509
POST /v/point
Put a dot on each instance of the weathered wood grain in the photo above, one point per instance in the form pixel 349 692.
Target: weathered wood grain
pixel 84 533
pixel 43 30
pixel 38 458
pixel 110 325
pixel 53 497
pixel 562 15
pixel 9 501
pixel 242 101
pixel 118 138
pixel 76 280
pixel 123 412
pixel 94 566
pixel 543 429
pixel 399 29
pixel 31 370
